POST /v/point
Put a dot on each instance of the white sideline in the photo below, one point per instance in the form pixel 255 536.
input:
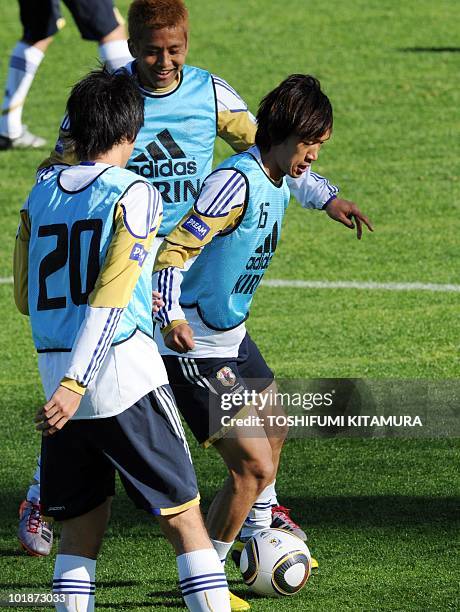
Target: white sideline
pixel 305 284
pixel 301 284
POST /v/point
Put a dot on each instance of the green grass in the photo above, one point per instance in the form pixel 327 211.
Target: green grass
pixel 382 515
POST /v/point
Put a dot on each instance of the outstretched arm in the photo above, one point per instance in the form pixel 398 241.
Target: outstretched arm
pixel 314 191
pixel 346 212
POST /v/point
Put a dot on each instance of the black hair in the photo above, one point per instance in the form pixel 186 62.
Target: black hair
pixel 297 106
pixel 104 110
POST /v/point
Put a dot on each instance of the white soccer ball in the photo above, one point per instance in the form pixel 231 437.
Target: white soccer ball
pixel 275 562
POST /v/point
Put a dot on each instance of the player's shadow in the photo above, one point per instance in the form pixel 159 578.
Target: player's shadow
pixel 356 511
pixel 236 586
pixel 140 604
pixel 107 584
pixel 374 511
pixel 124 517
pixel 22 585
pixel 430 49
pixel 115 584
pixel 9 552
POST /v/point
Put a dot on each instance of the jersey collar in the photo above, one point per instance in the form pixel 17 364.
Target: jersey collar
pixel 161 91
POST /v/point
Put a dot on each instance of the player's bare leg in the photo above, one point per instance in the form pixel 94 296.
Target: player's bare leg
pixel 249 459
pixel 276 435
pixel 119 33
pixel 201 576
pixel 266 511
pixel 83 535
pixel 75 566
pixel 185 531
pixel 260 514
pixel 276 431
pixel 40 44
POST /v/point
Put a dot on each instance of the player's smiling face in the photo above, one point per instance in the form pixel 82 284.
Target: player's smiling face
pixel 294 155
pixel 160 55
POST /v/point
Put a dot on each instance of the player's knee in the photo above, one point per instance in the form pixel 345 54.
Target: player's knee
pixel 183 521
pixel 255 474
pixel 279 432
pixel 185 531
pixel 264 474
pixel 40 43
pixel 82 536
pixel 72 542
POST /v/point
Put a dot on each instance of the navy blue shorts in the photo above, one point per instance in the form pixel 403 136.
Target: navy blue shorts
pixel 94 18
pixel 145 444
pixel 199 383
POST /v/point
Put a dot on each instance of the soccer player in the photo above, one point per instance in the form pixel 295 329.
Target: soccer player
pixel 96 20
pixel 83 267
pixel 208 270
pixel 185 107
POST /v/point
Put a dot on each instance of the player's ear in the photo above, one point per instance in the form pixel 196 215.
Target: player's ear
pixel 185 29
pixel 132 48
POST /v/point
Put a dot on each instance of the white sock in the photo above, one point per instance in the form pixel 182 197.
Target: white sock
pixel 222 549
pixel 33 493
pixel 24 62
pixel 260 515
pixel 115 54
pixel 274 496
pixel 202 581
pixel 74 577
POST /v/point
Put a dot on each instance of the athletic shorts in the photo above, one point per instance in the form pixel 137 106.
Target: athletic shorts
pixel 145 444
pixel 198 386
pixel 94 18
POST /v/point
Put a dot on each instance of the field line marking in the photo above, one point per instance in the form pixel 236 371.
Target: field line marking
pixel 306 284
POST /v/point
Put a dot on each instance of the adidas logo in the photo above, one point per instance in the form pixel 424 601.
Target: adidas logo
pixel 265 251
pixel 168 161
pixel 162 162
pixel 248 283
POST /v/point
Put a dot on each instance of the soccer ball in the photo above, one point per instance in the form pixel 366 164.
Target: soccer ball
pixel 275 562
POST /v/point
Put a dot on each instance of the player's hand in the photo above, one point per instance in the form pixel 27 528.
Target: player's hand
pixel 54 414
pixel 157 301
pixel 180 338
pixel 346 212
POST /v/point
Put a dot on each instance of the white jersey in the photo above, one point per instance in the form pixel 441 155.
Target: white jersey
pixel 130 370
pixel 208 342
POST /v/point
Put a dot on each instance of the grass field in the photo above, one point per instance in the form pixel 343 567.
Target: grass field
pixel 382 514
